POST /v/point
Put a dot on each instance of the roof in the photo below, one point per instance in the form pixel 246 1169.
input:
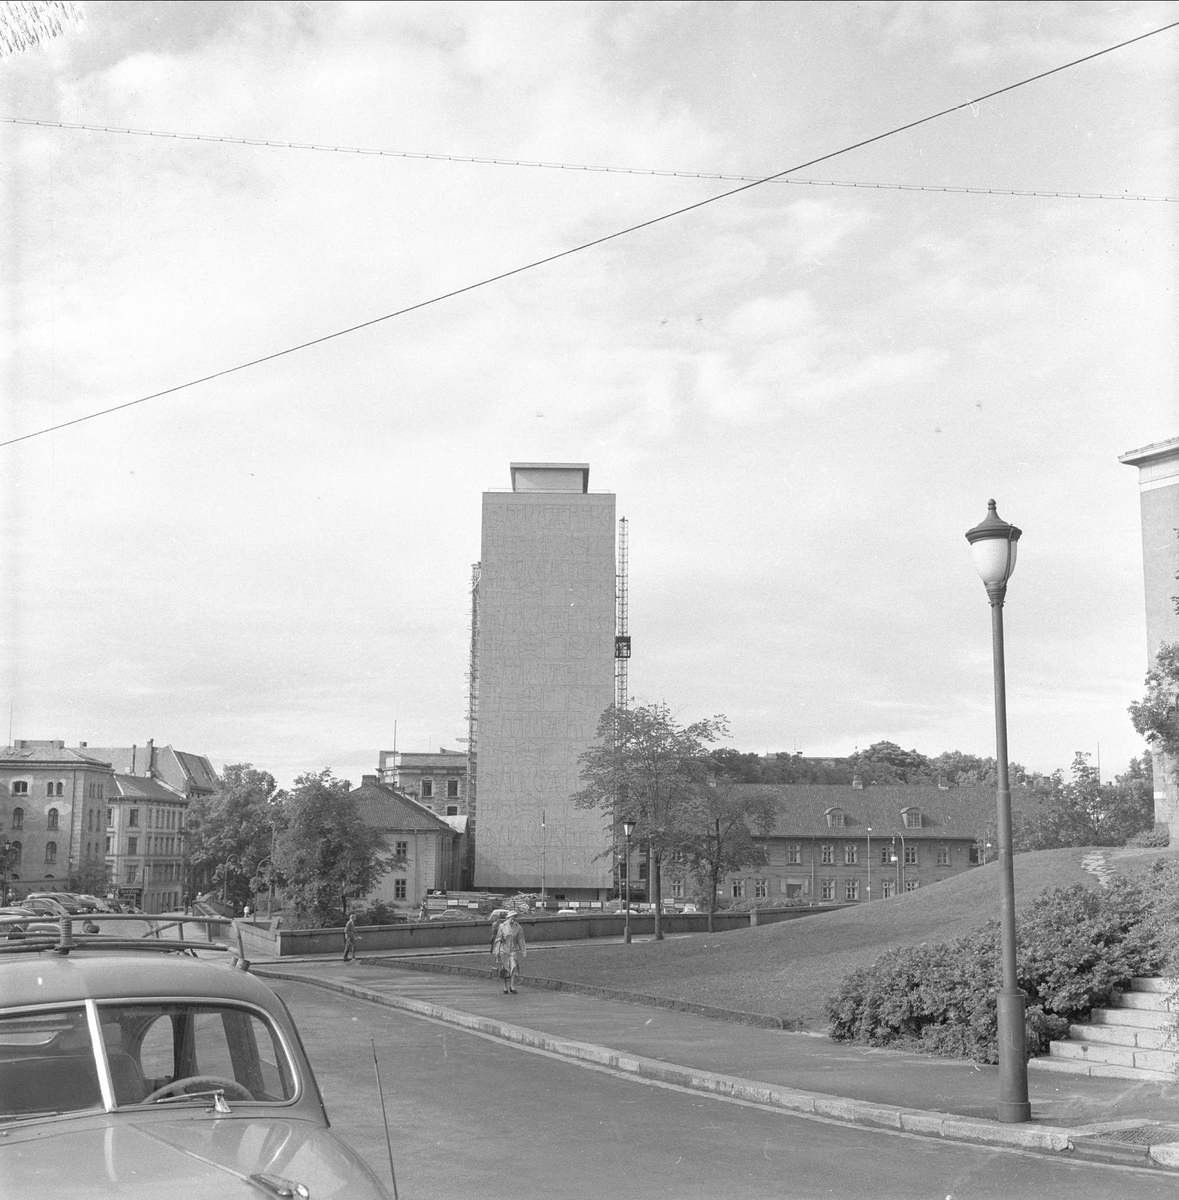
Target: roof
pixel 191 772
pixel 382 807
pixel 48 978
pixel 199 770
pixel 29 753
pixel 139 787
pixel 961 812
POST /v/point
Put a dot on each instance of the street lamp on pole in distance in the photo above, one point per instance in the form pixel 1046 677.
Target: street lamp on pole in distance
pixel 628 827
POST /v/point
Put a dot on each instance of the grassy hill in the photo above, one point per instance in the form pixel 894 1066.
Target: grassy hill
pixel 787 970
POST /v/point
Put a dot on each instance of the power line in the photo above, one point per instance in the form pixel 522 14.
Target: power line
pixel 587 168
pixel 599 241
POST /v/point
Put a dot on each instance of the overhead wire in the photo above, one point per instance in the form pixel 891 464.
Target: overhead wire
pixel 587 168
pixel 598 241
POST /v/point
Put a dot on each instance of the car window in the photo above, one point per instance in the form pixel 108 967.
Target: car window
pixel 47 1064
pixel 153 1047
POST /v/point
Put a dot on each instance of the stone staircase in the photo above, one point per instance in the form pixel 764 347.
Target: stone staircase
pixel 1137 1037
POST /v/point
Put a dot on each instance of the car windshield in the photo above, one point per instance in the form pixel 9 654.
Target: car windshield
pixel 156 1053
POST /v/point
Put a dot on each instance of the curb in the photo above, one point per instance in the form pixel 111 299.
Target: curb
pixel 758 1020
pixel 1048 1138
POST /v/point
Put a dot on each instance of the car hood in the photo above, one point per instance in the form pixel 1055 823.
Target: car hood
pixel 153 1158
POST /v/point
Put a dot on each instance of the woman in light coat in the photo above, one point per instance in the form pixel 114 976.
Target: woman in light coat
pixel 507 949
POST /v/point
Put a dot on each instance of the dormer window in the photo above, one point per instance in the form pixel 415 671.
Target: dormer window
pixel 834 818
pixel 912 817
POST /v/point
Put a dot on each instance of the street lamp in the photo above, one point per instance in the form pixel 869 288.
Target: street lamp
pixel 900 862
pixel 869 864
pixel 993 543
pixel 628 827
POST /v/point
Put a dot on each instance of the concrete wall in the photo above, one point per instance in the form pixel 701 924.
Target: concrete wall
pixel 259 941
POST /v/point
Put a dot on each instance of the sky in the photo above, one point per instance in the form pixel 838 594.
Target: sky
pixel 802 394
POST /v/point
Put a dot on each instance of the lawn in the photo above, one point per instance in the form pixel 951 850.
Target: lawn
pixel 787 970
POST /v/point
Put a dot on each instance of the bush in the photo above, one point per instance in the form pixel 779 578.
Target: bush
pixel 1156 838
pixel 1075 945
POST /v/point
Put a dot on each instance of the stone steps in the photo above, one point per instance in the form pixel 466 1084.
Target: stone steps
pixel 1136 1037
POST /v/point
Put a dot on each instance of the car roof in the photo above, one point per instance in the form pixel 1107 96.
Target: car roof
pixel 49 978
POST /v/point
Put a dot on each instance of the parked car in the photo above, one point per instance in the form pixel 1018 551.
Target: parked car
pixel 46 905
pixel 452 914
pixel 128 1061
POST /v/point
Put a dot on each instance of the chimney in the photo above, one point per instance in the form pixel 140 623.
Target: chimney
pixel 151 758
pixel 857 782
pixel 368 780
pixel 81 745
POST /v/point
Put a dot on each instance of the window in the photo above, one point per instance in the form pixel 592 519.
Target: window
pixel 51 819
pixel 850 854
pixel 108 845
pixel 452 810
pixel 793 891
pixel 399 888
pixel 110 817
pixel 828 854
pixel 738 889
pixel 51 852
pixel 760 890
pixel 834 818
pixel 401 849
pixel 885 855
pixel 132 872
pixel 793 853
pixel 677 888
pixel 452 789
pixel 59 791
pixel 943 856
pixel 643 869
pixel 132 845
pixel 975 854
pixel 827 889
pixel 427 789
pixel 910 855
pixel 851 889
pixel 20 787
pixel 14 853
pixel 49 789
pixel 18 818
pixel 911 885
pixel 133 817
pixel 912 817
pixel 889 888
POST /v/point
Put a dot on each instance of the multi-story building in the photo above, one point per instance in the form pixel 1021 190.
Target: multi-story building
pixel 53 809
pixel 542 666
pixel 438 780
pixel 427 848
pixel 1158 488
pixel 839 844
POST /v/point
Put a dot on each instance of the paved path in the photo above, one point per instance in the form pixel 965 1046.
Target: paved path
pixel 798 1072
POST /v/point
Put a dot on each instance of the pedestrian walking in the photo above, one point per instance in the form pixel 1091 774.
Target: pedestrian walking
pixel 350 938
pixel 507 949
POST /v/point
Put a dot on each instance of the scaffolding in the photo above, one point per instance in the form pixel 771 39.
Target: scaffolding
pixel 621 672
pixel 472 730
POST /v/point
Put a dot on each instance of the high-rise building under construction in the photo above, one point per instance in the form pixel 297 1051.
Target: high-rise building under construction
pixel 542 674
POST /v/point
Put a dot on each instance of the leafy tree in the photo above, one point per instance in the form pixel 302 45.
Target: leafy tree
pixel 1156 715
pixel 92 878
pixel 325 853
pixel 716 835
pixel 230 833
pixel 886 762
pixel 1084 811
pixel 642 768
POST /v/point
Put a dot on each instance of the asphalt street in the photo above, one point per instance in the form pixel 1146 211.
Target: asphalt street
pixel 473 1117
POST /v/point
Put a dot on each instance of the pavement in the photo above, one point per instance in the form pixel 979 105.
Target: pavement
pixel 1104 1119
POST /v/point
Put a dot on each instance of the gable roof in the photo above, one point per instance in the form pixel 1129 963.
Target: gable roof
pixel 961 812
pixel 381 807
pixel 140 787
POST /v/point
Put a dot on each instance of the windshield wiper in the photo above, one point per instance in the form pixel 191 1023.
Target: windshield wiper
pixel 218 1094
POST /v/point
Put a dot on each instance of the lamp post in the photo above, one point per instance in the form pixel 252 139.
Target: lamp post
pixel 869 864
pixel 993 544
pixel 628 827
pixel 900 862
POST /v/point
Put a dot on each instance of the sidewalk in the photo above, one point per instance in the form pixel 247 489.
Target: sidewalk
pixel 1109 1119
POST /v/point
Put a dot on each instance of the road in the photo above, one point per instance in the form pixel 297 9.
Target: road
pixel 473 1117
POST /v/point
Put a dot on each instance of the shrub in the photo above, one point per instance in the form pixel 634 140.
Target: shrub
pixel 1156 838
pixel 1075 946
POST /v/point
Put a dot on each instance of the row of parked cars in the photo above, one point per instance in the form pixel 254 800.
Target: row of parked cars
pixel 40 910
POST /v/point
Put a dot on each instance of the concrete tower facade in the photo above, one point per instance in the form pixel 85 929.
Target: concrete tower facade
pixel 543 672
pixel 1158 487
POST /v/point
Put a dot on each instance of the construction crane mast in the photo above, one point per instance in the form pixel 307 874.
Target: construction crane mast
pixel 621 630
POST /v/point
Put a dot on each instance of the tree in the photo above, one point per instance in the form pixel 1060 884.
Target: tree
pixel 324 852
pixel 92 878
pixel 721 817
pixel 1084 811
pixel 886 762
pixel 230 833
pixel 1156 715
pixel 641 768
